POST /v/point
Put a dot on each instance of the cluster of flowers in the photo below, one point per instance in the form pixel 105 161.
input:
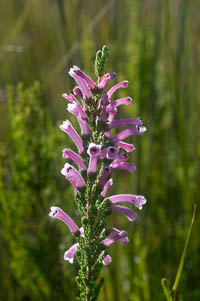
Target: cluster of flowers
pixel 92 154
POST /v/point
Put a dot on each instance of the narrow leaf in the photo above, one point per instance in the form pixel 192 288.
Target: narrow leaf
pixel 180 268
pixel 166 289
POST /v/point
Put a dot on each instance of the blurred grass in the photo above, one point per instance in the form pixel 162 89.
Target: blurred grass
pixel 155 45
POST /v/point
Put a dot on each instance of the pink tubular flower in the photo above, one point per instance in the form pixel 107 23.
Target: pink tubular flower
pixel 70 172
pixel 58 213
pixel 94 152
pixel 76 110
pixel 123 156
pixel 84 76
pixel 116 236
pixel 107 260
pixel 128 132
pixel 124 240
pixel 125 122
pixel 71 252
pixel 104 102
pixel 70 98
pixel 85 131
pixel 112 152
pixel 67 127
pixel 106 187
pixel 112 114
pixel 69 154
pixel 137 200
pixel 121 101
pixel 117 164
pixel 73 182
pixel 123 84
pixel 105 79
pixel 126 146
pixel 77 91
pixel 105 174
pixel 82 84
pixel 132 216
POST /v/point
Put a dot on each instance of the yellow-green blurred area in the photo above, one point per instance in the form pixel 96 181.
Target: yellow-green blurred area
pixel 155 45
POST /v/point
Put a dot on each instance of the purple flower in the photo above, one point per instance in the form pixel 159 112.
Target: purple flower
pixel 77 91
pixel 118 164
pixel 105 79
pixel 128 132
pixel 125 122
pixel 85 131
pixel 69 154
pixel 73 182
pixel 124 240
pixel 126 146
pixel 104 102
pixel 112 152
pixel 116 236
pixel 132 216
pixel 121 101
pixel 82 84
pixel 67 127
pixel 123 156
pixel 107 260
pixel 137 200
pixel 94 152
pixel 84 76
pixel 71 252
pixel 112 114
pixel 106 187
pixel 123 84
pixel 76 110
pixel 70 98
pixel 105 174
pixel 70 172
pixel 58 213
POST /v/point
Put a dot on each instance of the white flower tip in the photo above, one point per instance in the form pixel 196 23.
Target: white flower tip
pixel 125 83
pixel 66 258
pixel 54 211
pixel 65 125
pixel 64 95
pixel 63 171
pixel 75 68
pixel 142 201
pixel 142 129
pixel 72 106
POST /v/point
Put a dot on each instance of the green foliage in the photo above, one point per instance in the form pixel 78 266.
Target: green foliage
pixel 101 60
pixel 27 171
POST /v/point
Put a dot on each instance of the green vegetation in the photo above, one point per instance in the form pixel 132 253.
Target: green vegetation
pixel 153 44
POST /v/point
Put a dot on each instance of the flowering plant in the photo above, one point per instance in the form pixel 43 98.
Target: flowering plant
pixel 100 154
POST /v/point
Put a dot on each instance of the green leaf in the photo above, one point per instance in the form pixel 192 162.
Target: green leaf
pixel 180 268
pixel 166 289
pixel 101 60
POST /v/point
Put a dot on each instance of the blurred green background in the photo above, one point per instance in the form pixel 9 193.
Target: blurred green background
pixel 155 45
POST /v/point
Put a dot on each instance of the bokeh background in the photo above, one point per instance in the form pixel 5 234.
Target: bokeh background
pixel 155 45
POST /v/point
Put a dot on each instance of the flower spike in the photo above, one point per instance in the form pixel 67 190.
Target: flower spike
pixel 99 155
